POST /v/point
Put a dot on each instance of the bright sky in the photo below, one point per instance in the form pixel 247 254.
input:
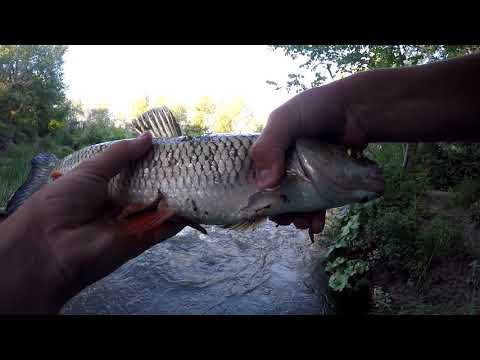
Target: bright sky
pixel 115 76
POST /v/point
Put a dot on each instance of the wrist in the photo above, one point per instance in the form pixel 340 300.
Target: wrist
pixel 380 103
pixel 29 283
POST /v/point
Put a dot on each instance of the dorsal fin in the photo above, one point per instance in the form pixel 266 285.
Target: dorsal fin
pixel 160 121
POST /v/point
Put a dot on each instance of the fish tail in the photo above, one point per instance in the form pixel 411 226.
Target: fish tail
pixel 160 121
pixel 41 168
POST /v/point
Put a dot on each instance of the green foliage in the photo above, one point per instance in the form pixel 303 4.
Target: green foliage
pixel 343 271
pixel 343 266
pixel 451 164
pixel 188 128
pixel 342 60
pixel 15 161
pixel 382 229
pixel 346 234
pixel 258 127
pixel 14 168
pixel 210 117
pixel 228 115
pixel 98 127
pixel 385 231
pixel 474 212
pixel 54 126
pixel 140 106
pixel 439 241
pixel 31 86
pixel 6 130
pixel 203 113
pixel 181 114
pixel 391 222
pixel 381 300
pixel 193 130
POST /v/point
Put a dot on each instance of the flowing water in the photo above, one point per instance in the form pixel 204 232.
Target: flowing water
pixel 270 270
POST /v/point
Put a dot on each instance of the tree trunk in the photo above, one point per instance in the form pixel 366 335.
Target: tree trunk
pixel 410 149
pixel 410 157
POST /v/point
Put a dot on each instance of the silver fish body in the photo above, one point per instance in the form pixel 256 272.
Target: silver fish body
pixel 210 179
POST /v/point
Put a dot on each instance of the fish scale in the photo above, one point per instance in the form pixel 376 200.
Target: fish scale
pixel 192 174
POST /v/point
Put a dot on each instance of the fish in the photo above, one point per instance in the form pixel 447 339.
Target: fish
pixel 210 179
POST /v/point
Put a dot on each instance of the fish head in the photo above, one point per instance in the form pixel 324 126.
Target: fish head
pixel 337 175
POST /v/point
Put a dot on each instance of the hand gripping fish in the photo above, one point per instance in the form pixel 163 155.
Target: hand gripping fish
pixel 209 179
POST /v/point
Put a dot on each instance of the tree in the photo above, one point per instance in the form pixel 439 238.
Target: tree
pixel 98 126
pixel 167 101
pixel 181 114
pixel 248 124
pixel 203 113
pixel 230 114
pixel 342 60
pixel 32 92
pixel 140 106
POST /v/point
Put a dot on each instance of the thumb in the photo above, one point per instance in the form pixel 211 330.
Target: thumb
pixel 110 162
pixel 268 152
pixel 269 160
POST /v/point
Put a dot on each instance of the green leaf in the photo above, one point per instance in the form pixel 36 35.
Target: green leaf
pixel 338 281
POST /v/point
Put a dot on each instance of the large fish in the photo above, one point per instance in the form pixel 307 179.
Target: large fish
pixel 210 179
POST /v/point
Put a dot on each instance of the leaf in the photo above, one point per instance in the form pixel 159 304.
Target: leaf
pixel 336 263
pixel 337 245
pixel 338 281
pixel 348 59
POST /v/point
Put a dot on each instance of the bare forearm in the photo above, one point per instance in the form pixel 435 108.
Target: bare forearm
pixel 435 102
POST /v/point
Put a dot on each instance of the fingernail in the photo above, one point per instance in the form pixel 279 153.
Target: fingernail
pixel 144 135
pixel 263 176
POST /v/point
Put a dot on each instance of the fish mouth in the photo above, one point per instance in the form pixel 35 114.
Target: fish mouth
pixel 375 178
pixel 366 174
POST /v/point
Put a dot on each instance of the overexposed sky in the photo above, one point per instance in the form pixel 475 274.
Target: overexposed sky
pixel 116 76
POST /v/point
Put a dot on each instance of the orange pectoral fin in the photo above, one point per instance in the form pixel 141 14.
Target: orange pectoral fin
pixel 131 209
pixel 55 174
pixel 139 224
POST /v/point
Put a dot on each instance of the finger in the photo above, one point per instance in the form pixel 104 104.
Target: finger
pixel 109 249
pixel 122 248
pixel 268 152
pixel 117 156
pixel 136 245
pixel 318 222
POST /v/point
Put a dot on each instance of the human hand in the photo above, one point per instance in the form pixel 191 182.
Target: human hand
pixel 63 238
pixel 320 112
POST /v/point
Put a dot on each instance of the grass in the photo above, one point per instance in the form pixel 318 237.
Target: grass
pixel 473 307
pixel 14 168
pixel 439 241
pixel 15 161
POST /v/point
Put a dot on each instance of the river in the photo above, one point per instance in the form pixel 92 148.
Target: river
pixel 267 271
